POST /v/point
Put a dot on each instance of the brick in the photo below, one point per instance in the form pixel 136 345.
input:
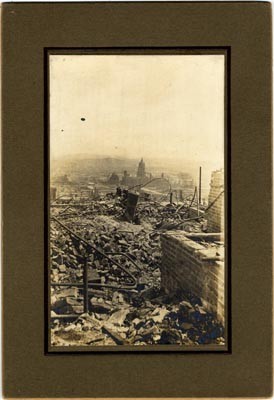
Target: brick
pixel 183 268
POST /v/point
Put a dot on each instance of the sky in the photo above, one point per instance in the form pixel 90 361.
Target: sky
pixel 151 106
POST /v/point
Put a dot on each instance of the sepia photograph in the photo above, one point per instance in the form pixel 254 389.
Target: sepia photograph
pixel 137 201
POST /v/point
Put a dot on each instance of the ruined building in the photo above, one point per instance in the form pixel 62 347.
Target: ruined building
pixel 135 283
pixel 215 215
pixel 128 180
pixel 113 179
pixel 141 172
pixel 194 262
pixel 139 179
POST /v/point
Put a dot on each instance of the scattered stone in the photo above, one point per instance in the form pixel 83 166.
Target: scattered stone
pixel 159 314
pixel 62 268
pixel 118 317
pixel 93 276
pixel 99 306
pixel 115 336
pixel 142 315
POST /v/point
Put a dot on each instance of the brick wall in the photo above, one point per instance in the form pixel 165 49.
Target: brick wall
pixel 189 266
pixel 215 215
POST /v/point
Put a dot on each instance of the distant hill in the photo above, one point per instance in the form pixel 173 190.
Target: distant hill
pixel 93 165
pixel 101 165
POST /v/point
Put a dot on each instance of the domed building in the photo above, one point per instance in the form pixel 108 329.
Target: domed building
pixel 113 179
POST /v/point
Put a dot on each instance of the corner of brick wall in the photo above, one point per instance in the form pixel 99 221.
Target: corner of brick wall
pixel 215 215
pixel 184 268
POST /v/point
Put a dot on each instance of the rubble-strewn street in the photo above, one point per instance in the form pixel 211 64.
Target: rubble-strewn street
pixel 126 304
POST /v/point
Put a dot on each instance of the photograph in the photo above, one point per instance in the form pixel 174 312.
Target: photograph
pixel 137 200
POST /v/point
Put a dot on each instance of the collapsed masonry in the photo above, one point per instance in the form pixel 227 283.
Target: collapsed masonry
pixel 194 263
pixel 215 215
pixel 140 315
pixel 160 281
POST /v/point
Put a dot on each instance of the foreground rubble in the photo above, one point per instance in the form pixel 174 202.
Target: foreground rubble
pixel 180 323
pixel 126 304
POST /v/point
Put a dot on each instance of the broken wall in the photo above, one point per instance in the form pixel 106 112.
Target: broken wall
pixel 215 215
pixel 188 266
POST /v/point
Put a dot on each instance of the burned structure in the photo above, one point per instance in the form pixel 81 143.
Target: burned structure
pixel 141 172
pixel 216 214
pixel 127 269
pixel 128 180
pixel 193 263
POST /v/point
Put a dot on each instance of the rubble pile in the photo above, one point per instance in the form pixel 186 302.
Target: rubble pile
pixel 119 322
pixel 136 248
pixel 126 304
pixel 159 215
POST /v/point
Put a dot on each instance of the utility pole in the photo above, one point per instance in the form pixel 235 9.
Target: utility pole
pixel 198 210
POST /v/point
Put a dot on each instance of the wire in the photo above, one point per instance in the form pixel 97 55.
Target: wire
pixel 154 179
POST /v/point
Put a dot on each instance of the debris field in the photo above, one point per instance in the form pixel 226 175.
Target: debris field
pixel 125 302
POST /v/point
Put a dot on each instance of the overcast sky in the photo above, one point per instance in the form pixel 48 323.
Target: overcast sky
pixel 151 106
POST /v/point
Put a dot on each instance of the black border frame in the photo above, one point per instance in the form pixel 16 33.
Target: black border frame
pixel 157 50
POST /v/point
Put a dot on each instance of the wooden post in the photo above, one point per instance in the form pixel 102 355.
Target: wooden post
pixel 197 196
